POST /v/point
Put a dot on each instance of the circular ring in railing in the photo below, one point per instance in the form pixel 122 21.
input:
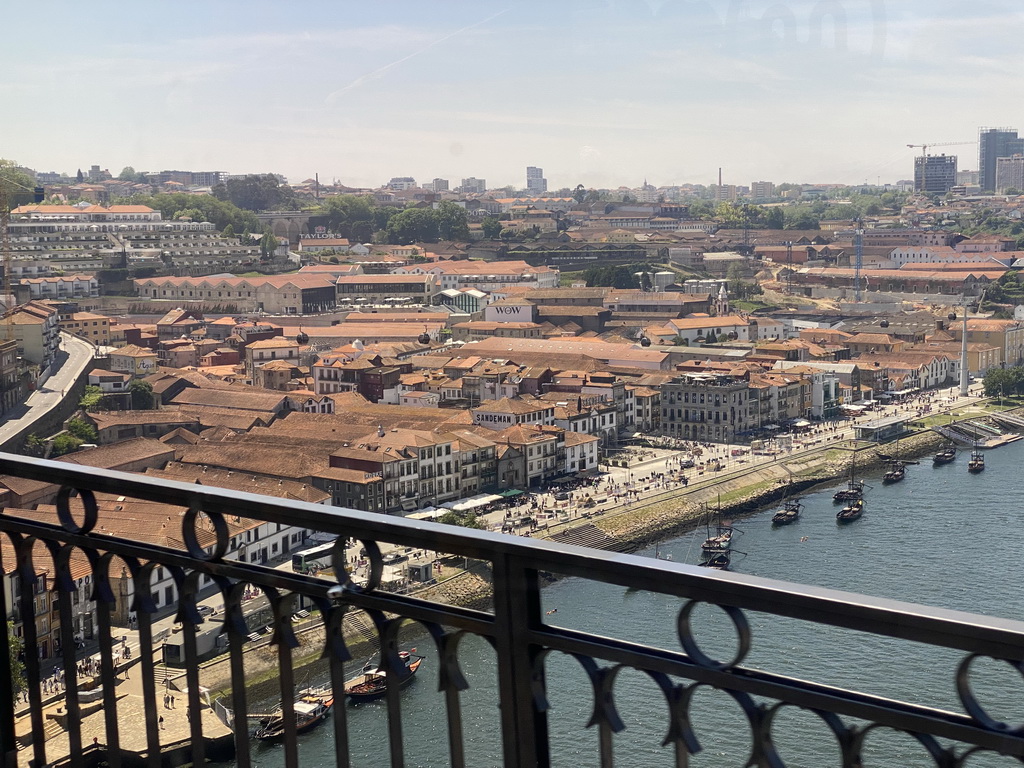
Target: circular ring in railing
pixel 689 642
pixel 840 730
pixel 855 746
pixel 189 534
pixel 972 706
pixel 67 519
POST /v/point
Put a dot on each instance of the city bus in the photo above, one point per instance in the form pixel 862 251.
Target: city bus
pixel 314 558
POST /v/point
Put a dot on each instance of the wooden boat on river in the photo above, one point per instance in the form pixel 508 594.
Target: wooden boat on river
pixel 311 709
pixel 896 472
pixel 789 513
pixel 851 512
pixel 977 462
pixel 946 454
pixel 372 683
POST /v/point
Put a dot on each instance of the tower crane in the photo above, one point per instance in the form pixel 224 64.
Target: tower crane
pixel 924 147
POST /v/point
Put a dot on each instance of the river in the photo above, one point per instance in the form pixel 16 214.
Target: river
pixel 942 537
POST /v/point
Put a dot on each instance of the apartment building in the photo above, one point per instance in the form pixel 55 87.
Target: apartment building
pixel 708 407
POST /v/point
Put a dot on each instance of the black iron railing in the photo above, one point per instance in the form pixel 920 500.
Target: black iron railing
pixel 516 627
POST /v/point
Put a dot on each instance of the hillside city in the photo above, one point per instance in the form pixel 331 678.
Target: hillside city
pixel 430 348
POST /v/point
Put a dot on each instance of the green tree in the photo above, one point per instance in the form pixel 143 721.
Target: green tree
pixel 229 231
pixel 452 223
pixel 83 430
pixel 491 227
pixel 268 244
pixel 461 519
pixel 65 443
pixel 580 194
pixel 413 225
pixel 15 653
pixel 1004 381
pixel 645 281
pixel 35 445
pixel 90 398
pixel 142 395
pixel 17 184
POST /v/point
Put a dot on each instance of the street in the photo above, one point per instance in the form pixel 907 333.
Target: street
pixel 74 357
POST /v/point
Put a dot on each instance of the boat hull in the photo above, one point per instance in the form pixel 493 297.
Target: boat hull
pixel 377 688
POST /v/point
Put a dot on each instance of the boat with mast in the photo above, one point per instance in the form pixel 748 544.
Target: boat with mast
pixel 851 512
pixel 789 513
pixel 855 489
pixel 896 467
pixel 977 462
pixel 721 538
pixel 945 454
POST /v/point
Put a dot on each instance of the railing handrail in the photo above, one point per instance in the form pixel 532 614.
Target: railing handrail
pixel 995 636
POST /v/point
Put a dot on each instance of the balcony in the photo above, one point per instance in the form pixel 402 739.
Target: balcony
pixel 521 633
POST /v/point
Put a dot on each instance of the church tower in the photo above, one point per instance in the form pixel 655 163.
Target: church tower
pixel 722 302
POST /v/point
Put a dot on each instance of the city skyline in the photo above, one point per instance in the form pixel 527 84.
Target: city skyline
pixel 603 94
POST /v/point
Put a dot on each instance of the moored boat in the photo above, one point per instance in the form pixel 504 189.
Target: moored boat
pixel 717 560
pixel 789 513
pixel 311 709
pixel 853 492
pixel 895 473
pixel 946 454
pixel 851 512
pixel 977 462
pixel 372 684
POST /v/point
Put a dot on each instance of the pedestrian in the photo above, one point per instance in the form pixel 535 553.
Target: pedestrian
pixel 161 722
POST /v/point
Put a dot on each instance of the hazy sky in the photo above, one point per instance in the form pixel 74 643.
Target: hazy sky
pixel 603 93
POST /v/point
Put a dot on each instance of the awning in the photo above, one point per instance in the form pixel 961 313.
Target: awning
pixel 474 502
pixel 801 423
pixel 510 493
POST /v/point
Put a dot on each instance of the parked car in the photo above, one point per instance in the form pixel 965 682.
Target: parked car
pixel 562 496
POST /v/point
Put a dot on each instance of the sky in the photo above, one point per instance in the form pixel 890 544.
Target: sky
pixel 604 93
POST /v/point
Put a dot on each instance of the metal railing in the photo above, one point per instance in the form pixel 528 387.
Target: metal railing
pixel 516 627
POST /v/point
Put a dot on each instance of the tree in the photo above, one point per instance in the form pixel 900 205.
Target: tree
pixel 645 281
pixel 83 430
pixel 491 227
pixel 268 244
pixel 461 519
pixel 18 185
pixel 1004 381
pixel 228 231
pixel 35 445
pixel 257 192
pixel 614 277
pixel 413 225
pixel 142 395
pixel 15 654
pixel 80 176
pixel 580 194
pixel 452 223
pixel 65 443
pixel 90 398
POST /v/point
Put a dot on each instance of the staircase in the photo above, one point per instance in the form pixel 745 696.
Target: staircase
pixel 590 535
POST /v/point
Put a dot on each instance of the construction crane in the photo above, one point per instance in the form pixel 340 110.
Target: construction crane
pixel 924 147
